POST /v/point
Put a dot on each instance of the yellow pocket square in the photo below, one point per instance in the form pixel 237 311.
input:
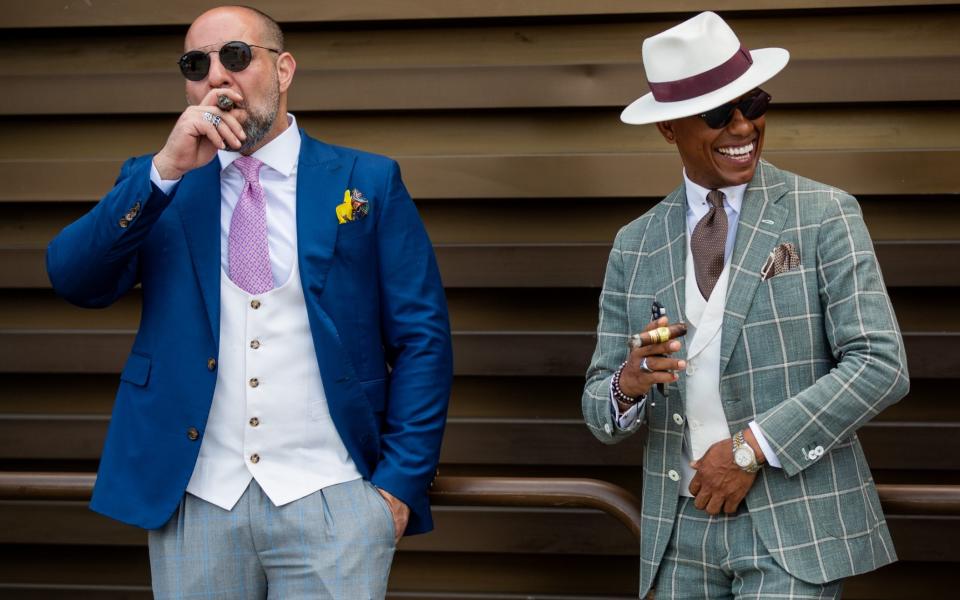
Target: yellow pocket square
pixel 354 206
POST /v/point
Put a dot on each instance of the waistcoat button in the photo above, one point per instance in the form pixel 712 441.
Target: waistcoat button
pixel 192 434
pixel 254 382
pixel 254 458
pixel 254 304
pixel 211 363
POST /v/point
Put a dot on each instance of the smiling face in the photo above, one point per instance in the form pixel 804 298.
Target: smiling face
pixel 263 84
pixel 717 158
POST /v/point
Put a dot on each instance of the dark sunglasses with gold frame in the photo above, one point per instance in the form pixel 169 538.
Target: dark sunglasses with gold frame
pixel 234 56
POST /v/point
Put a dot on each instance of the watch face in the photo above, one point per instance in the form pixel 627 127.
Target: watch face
pixel 743 457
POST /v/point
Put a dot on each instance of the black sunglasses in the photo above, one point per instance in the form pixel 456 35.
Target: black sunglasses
pixel 234 56
pixel 752 107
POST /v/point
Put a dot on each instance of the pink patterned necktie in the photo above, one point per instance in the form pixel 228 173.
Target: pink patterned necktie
pixel 249 252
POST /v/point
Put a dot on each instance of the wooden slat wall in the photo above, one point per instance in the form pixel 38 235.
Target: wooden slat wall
pixel 503 116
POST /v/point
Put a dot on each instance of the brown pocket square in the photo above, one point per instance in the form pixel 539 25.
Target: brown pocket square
pixel 783 258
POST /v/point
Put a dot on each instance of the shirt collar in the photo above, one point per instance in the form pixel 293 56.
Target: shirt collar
pixel 697 197
pixel 280 153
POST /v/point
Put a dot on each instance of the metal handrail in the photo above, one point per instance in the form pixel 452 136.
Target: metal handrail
pixel 547 492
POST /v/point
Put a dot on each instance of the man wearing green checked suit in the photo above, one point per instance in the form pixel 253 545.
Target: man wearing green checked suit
pixel 754 482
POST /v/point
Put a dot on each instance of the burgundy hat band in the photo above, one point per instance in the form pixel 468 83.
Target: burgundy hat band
pixel 703 83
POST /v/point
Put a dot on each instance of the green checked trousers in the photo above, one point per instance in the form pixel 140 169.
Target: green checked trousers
pixel 720 557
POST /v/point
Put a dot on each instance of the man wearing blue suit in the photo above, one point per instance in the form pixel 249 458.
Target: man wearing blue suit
pixel 279 418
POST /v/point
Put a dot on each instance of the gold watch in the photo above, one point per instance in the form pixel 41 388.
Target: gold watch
pixel 743 454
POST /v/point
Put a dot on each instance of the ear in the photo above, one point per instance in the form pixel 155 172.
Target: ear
pixel 667 131
pixel 286 67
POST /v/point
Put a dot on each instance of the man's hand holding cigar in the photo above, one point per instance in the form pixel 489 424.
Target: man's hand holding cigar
pixel 649 362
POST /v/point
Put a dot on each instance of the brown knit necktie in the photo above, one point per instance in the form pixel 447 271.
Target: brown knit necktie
pixel 708 241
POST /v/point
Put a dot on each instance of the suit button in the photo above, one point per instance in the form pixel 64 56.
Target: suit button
pixel 211 363
pixel 677 419
pixel 255 344
pixel 254 421
pixel 254 304
pixel 123 222
pixel 192 434
pixel 254 382
pixel 673 475
pixel 254 458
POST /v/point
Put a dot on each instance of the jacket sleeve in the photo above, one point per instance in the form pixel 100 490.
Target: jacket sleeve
pixel 871 366
pixel 610 352
pixel 416 333
pixel 93 261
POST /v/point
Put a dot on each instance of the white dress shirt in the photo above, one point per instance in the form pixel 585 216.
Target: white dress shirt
pixel 279 181
pixel 697 208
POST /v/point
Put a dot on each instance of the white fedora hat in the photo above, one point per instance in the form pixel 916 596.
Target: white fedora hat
pixel 698 65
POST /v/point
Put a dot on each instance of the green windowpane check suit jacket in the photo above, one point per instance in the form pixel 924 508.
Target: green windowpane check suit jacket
pixel 811 354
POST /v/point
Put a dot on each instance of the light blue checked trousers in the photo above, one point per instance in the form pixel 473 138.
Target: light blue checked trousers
pixel 722 558
pixel 335 543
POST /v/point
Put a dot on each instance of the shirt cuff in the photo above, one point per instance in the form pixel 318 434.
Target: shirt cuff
pixel 629 418
pixel 164 185
pixel 768 452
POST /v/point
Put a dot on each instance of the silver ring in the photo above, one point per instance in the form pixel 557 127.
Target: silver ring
pixel 644 367
pixel 209 117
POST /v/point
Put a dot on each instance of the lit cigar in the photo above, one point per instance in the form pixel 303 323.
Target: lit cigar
pixel 224 103
pixel 658 335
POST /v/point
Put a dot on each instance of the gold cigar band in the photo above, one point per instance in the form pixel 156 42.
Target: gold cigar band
pixel 659 335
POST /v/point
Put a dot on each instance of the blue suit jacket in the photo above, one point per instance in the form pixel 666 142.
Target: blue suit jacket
pixel 376 307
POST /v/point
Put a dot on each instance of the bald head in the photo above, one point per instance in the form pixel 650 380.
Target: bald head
pixel 259 25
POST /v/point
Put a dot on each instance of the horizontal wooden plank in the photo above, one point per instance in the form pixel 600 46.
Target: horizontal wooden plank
pixel 558 354
pixel 525 398
pixel 108 573
pixel 90 141
pixel 571 221
pixel 501 441
pixel 75 13
pixel 617 175
pixel 498 310
pixel 458 529
pixel 853 81
pixel 871 35
pixel 113 570
pixel 930 355
pixel 904 263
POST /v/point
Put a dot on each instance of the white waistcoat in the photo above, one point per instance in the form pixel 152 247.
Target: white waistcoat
pixel 269 418
pixel 706 422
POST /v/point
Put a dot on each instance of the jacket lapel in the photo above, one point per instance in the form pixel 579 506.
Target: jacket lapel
pixel 672 290
pixel 322 177
pixel 761 221
pixel 671 237
pixel 197 199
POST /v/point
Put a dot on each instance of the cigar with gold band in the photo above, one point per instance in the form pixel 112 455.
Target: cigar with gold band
pixel 658 335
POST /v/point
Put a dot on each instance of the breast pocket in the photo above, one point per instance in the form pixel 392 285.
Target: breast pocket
pixel 786 295
pixel 352 229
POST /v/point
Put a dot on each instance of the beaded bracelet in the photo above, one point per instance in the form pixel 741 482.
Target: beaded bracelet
pixel 618 394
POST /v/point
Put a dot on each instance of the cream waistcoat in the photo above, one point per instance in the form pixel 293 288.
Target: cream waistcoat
pixel 269 418
pixel 705 419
